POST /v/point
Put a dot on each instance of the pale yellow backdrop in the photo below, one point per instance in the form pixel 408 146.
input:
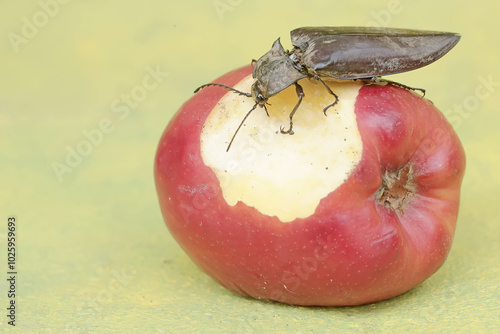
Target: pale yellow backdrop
pixel 105 77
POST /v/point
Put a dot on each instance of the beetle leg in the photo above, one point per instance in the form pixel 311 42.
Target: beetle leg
pixel 377 79
pixel 300 94
pixel 329 91
pixel 224 86
pixel 264 106
pixel 405 86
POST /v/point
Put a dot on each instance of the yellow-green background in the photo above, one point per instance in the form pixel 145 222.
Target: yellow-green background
pixel 101 221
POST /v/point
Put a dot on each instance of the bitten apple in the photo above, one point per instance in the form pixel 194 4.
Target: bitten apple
pixel 358 206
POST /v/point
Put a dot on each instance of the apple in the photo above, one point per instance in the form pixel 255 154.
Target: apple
pixel 358 206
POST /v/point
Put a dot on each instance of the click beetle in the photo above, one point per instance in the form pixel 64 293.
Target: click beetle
pixel 344 53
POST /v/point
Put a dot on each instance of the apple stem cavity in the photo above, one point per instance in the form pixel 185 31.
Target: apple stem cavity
pixel 397 188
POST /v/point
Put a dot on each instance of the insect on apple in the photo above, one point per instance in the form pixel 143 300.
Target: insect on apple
pixel 344 53
pixel 354 208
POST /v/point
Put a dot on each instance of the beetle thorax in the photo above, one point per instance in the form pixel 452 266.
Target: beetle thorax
pixel 296 58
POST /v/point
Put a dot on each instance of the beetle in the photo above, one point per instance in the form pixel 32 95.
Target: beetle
pixel 344 53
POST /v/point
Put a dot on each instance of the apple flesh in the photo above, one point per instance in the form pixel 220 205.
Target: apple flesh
pixel 357 206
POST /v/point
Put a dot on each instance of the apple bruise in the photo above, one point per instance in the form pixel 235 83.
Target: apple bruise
pixel 283 175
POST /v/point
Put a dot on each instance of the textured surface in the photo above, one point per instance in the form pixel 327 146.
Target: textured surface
pixel 91 77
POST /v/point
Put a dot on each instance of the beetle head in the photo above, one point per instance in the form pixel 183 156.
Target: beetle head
pixel 260 98
pixel 259 93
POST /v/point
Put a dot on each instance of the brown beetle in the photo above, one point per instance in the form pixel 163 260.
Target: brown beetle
pixel 345 53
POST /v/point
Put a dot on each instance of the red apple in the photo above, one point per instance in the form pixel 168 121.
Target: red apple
pixel 357 206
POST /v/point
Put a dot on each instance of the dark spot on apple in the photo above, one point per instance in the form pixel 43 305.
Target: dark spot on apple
pixel 397 188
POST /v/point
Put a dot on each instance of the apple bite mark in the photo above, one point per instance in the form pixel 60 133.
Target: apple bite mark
pixel 277 174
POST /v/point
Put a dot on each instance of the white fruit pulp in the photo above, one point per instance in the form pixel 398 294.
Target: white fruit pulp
pixel 278 174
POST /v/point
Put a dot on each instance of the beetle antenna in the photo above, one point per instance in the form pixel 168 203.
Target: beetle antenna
pixel 224 86
pixel 241 124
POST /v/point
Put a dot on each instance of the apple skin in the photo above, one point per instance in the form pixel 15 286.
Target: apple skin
pixel 354 249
